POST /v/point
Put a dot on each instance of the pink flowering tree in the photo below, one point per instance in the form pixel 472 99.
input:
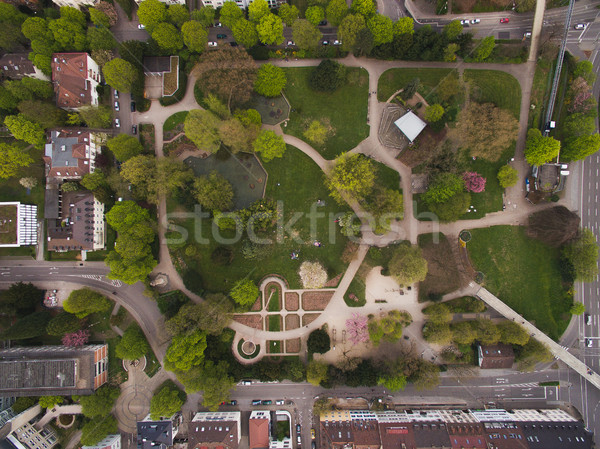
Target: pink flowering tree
pixel 357 329
pixel 581 96
pixel 474 182
pixel 78 338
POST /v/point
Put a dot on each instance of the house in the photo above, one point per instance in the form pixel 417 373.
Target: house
pixel 161 75
pixel 283 419
pixel 431 435
pixel 466 436
pixel 53 370
pixel 397 435
pixel 18 224
pixel 109 442
pixel 410 125
pixel 168 2
pixel 21 431
pixel 213 430
pixel 258 429
pixel 557 435
pixel 16 66
pixel 75 77
pixel 495 356
pixel 75 221
pixel 71 154
pixel 158 434
pixel 503 435
pixel 349 428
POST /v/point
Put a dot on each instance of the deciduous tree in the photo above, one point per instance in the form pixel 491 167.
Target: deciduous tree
pixel 62 324
pixel 512 333
pixel 166 402
pixel 316 133
pixel 485 48
pixel 124 147
pixel 270 80
pixel 244 292
pixel 168 37
pixel 485 130
pixel 270 29
pixel 100 39
pixel 269 145
pixel 133 344
pixel 151 13
pixel 443 187
pixel 213 192
pixel 288 13
pixel 50 401
pixel 474 182
pixel 388 327
pixel 201 127
pixel 306 35
pixel 257 10
pixel 312 274
pixel 434 113
pixel 382 29
pixel 120 74
pixel 555 226
pixel 352 176
pixel 577 308
pixel 314 14
pixel 205 15
pixel 438 333
pixel 408 265
pixel 578 148
pixel 318 342
pixel 29 326
pixel 178 14
pixel 453 30
pixel 85 301
pixel 230 14
pixel 245 33
pixel 336 11
pixel 507 176
pixel 12 159
pixel 99 404
pixel 366 8
pixel 404 25
pixel 185 351
pixel 95 431
pixel 540 149
pixel 316 372
pixel 582 253
pixel 451 209
pixel 26 130
pixel 76 339
pixel 349 28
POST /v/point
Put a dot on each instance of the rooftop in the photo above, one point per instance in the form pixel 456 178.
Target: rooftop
pixel 73 80
pixel 410 125
pixel 16 65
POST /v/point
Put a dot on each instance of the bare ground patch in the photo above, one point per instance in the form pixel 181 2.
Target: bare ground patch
pixel 443 275
pixel 257 304
pixel 292 301
pixel 292 346
pixel 292 322
pixel 334 282
pixel 309 318
pixel 424 148
pixel 254 321
pixel 316 300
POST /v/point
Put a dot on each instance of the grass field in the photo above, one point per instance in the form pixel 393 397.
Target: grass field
pixel 297 182
pixel 542 82
pixel 345 109
pixel 395 79
pixel 492 86
pixel 174 120
pixel 524 274
pixel 274 323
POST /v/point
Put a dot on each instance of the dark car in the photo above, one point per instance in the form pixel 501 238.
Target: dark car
pixel 234 402
pixel 133 106
pixel 256 402
pixel 221 36
pixel 298 428
pixel 233 44
pixel 322 23
pixel 133 129
pixel 267 402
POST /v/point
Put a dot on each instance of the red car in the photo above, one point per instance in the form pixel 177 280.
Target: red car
pixel 505 20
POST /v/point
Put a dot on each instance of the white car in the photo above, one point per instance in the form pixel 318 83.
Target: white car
pixel 527 35
pixel 141 27
pixel 116 93
pixel 212 44
pixel 336 42
pixel 279 402
pixel 291 43
pixel 117 123
pixel 465 22
pixel 117 106
pixel 475 21
pixel 580 26
pixel 325 42
pixel 589 342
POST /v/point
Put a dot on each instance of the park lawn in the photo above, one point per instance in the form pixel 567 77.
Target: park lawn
pixel 524 273
pixel 542 83
pixel 99 256
pixel 297 182
pixel 386 177
pixel 174 120
pixel 274 323
pixel 275 298
pixel 393 80
pixel 345 109
pixel 493 86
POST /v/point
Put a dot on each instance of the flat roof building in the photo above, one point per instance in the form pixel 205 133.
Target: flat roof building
pixel 215 430
pixel 410 125
pixel 18 224
pixel 109 442
pixel 53 370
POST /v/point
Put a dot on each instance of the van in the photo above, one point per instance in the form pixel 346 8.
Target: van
pixel 588 319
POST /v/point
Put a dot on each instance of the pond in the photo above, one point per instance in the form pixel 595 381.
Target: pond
pixel 243 171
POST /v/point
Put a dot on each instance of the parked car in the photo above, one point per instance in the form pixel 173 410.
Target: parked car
pixel 234 402
pixel 299 439
pixel 233 44
pixel 475 21
pixel 322 23
pixel 291 43
pixel 212 44
pixel 218 24
pixel 336 42
pixel 141 27
pixel 116 106
pixel 256 402
pixel 504 20
pixel 133 129
pixel 588 319
pixel 325 42
pixel 313 445
pixel 527 35
pixel 589 342
pixel 246 382
pixel 312 434
pixel 132 106
pixel 279 402
pixel 221 36
pixel 580 26
pixel 298 428
pixel 267 402
pixel 116 93
pixel 464 22
pixel 117 123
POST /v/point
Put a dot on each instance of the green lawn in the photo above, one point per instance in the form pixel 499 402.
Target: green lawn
pixel 542 83
pixel 357 288
pixel 395 79
pixel 492 86
pixel 297 182
pixel 275 301
pixel 274 323
pixel 345 109
pixel 174 120
pixel 523 273
pixel 386 177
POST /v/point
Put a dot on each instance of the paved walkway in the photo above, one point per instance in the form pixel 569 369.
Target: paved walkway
pixel 55 412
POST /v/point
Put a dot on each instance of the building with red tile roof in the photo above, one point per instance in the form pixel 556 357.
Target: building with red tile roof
pixel 495 356
pixel 258 429
pixel 75 77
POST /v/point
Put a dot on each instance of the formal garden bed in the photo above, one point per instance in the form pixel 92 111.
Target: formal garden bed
pixel 147 137
pixel 292 301
pixel 316 300
pixel 274 323
pixel 308 318
pixel 254 321
pixel 344 111
pixel 293 345
pixel 275 347
pixel 273 296
pixel 524 273
pixel 292 322
pixel 248 349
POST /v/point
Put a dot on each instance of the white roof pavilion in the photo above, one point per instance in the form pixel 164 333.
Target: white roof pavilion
pixel 410 125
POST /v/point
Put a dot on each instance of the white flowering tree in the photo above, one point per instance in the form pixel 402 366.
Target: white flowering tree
pixel 312 275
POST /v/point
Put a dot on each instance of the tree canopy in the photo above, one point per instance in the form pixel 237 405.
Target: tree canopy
pixel 213 192
pixel 96 430
pixel 318 342
pixel 328 76
pixel 85 301
pixel 540 149
pixel 244 292
pixel 582 253
pixel 352 176
pixel 23 129
pixel 12 159
pixel 288 13
pixel 507 176
pixel 269 145
pixel 124 147
pixel 408 265
pixel 336 11
pixel 201 127
pixel 555 226
pixel 349 29
pixel 230 13
pixel 63 323
pixel 212 316
pixel 99 404
pixel 195 36
pixel 306 35
pixel 120 74
pixel 151 13
pixel 133 344
pixel 168 37
pixel 270 80
pixel 185 351
pixel 245 32
pixel 166 402
pixel 270 29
